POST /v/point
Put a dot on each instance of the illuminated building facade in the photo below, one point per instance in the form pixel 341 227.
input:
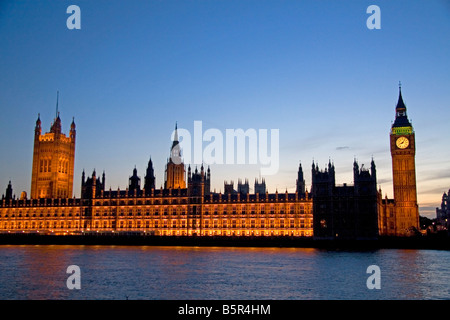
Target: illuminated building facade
pixel 53 161
pixel 190 211
pixel 187 206
pixel 175 175
pixel 400 216
pixel 176 209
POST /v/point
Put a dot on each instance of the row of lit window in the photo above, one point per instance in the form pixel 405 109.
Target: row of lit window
pixel 40 215
pixel 184 200
pixel 207 224
pixel 45 165
pixel 39 225
pixel 169 201
pixel 307 233
pixel 157 224
pixel 156 212
pixel 183 213
pixel 243 222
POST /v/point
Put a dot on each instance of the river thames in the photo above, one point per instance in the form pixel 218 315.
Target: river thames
pixel 192 273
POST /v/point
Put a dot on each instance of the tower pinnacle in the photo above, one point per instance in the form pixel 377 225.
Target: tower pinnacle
pixel 401 119
pixel 57 100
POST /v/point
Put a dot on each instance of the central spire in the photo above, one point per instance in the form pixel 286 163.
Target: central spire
pixel 175 137
pixel 56 127
pixel 175 172
pixel 175 151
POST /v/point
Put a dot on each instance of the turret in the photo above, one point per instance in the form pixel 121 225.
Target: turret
pixel 355 170
pixel 9 191
pixel 134 182
pixel 260 188
pixel 56 126
pixel 38 128
pixel 149 182
pixel 373 170
pixel 300 181
pixel 243 187
pixel 92 187
pixel 72 130
pixel 198 183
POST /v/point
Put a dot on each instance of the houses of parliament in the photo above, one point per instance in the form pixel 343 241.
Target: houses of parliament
pixel 186 206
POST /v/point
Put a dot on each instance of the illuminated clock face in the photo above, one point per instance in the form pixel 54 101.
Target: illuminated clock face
pixel 402 142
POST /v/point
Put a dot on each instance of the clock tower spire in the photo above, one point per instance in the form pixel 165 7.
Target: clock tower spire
pixel 403 150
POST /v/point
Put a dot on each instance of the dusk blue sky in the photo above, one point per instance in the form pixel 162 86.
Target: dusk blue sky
pixel 311 69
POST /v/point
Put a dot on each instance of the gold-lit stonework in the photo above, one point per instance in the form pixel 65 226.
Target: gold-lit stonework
pixel 186 206
pixel 180 208
pixel 53 162
pixel 400 216
pixel 166 213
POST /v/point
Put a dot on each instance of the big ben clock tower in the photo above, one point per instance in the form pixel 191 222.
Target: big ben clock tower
pixel 403 150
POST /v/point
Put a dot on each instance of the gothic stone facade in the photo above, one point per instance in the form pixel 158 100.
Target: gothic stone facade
pixel 179 208
pixel 53 162
pixel 190 208
pixel 191 211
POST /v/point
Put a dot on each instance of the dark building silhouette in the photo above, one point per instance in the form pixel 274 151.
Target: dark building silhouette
pixel 260 187
pixel 443 213
pixel 134 183
pixel 92 187
pixel 243 187
pixel 149 182
pixel 9 192
pixel 301 188
pixel 199 183
pixel 228 188
pixel 345 212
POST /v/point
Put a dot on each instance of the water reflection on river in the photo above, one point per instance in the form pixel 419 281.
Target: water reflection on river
pixel 145 272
